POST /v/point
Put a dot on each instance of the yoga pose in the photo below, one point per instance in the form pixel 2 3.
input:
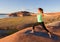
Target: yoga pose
pixel 40 21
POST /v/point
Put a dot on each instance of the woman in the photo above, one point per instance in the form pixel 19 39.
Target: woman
pixel 40 21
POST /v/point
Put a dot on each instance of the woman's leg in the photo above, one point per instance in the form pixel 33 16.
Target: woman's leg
pixel 42 23
pixel 35 24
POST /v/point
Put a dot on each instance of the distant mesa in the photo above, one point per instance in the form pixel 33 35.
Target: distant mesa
pixel 21 14
pixel 26 13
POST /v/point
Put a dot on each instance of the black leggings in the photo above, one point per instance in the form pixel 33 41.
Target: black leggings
pixel 40 23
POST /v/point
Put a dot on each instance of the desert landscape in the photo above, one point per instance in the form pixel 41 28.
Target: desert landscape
pixel 20 30
pixel 18 18
pixel 39 36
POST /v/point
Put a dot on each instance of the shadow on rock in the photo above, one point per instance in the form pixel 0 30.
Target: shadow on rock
pixel 43 34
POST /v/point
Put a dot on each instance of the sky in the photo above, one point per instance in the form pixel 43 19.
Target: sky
pixel 9 6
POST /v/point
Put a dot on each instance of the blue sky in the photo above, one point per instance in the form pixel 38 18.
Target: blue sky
pixel 8 6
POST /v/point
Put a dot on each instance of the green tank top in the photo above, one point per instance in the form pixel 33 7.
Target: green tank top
pixel 39 18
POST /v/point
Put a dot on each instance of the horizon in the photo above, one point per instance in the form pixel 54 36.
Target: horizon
pixel 10 6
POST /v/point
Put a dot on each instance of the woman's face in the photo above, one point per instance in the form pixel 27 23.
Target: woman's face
pixel 39 11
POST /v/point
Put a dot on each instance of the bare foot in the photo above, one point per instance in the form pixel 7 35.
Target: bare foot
pixel 49 34
pixel 32 31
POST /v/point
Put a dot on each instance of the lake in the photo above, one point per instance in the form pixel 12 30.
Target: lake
pixel 3 16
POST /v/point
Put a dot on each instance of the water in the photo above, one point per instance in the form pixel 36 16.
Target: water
pixel 3 16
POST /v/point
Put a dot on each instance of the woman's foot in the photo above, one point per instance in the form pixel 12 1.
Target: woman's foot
pixel 49 33
pixel 32 31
